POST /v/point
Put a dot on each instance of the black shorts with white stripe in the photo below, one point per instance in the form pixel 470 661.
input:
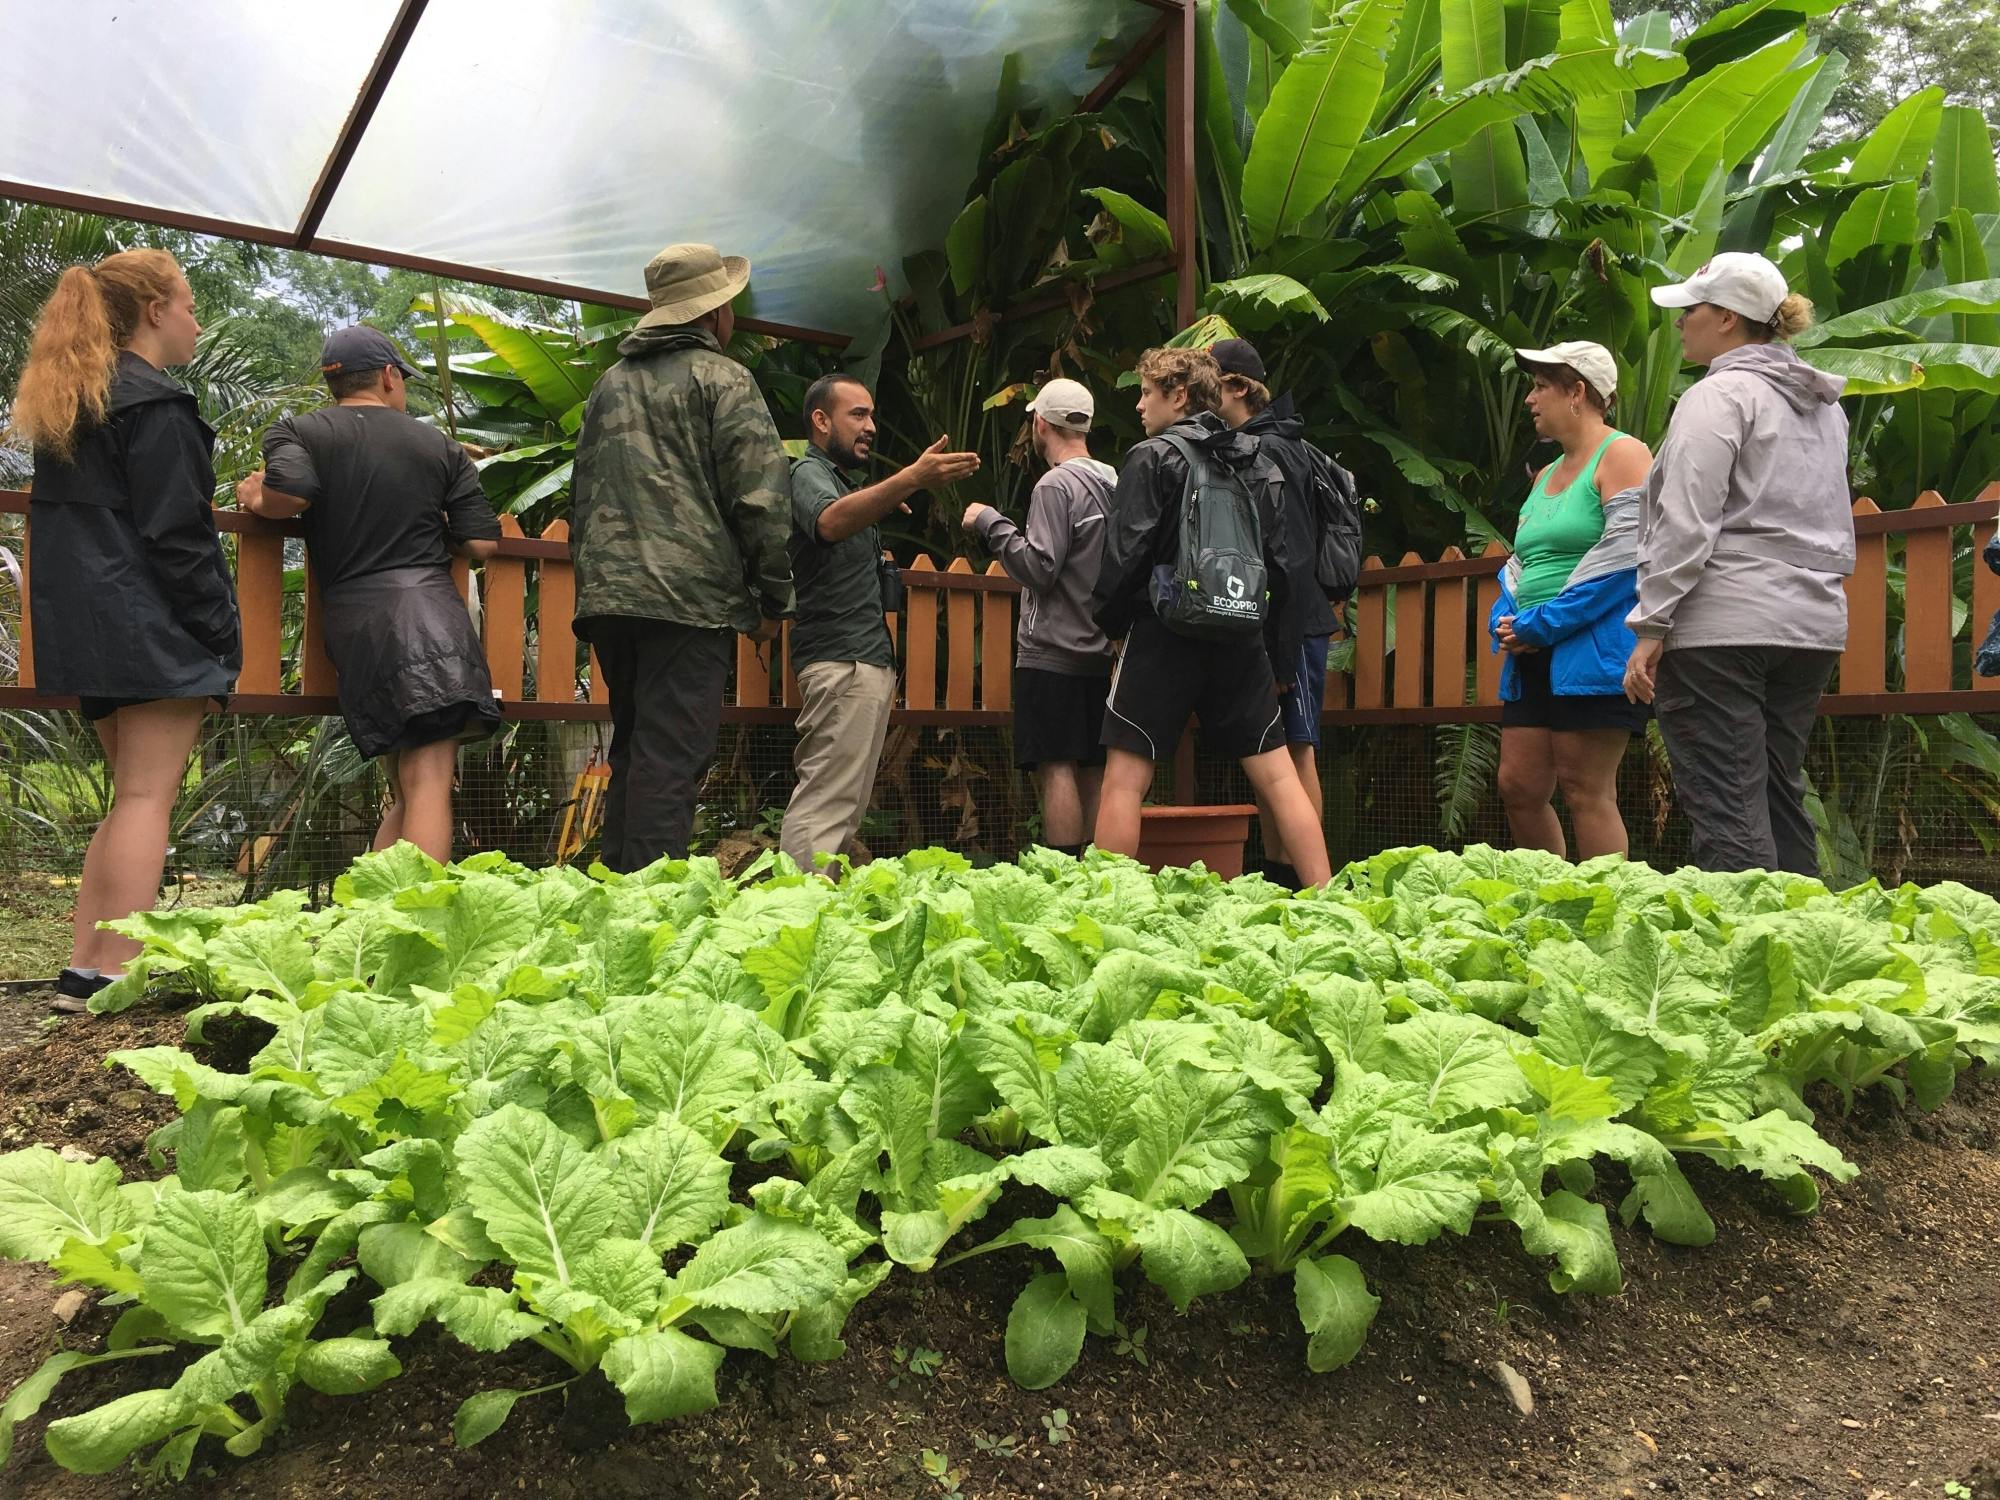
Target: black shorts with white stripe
pixel 1163 678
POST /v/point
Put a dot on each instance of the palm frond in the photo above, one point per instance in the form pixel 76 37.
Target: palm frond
pixel 1468 758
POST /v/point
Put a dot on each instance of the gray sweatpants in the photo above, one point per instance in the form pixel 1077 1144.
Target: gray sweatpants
pixel 1736 720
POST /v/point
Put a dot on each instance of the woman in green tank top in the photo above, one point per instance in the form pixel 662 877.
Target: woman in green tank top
pixel 1565 727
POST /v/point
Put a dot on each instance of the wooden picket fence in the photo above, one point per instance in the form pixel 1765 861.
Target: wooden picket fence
pixel 1420 651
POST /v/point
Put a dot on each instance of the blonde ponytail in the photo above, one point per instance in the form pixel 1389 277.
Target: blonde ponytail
pixel 93 312
pixel 1793 317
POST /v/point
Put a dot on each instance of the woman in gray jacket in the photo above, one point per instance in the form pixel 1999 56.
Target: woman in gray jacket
pixel 1745 536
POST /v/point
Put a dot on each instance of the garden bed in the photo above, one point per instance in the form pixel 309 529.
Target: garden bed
pixel 1846 1353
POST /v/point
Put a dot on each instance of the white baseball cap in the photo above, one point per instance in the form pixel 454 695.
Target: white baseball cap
pixel 1064 403
pixel 1736 279
pixel 1592 361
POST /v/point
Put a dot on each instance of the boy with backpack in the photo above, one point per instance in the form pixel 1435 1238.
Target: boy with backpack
pixel 1062 663
pixel 1322 521
pixel 1199 584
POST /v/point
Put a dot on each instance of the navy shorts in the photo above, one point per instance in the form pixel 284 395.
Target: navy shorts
pixel 1303 704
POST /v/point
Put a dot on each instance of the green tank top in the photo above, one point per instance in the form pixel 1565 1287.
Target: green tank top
pixel 1557 529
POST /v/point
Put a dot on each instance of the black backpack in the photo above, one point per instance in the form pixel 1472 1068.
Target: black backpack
pixel 1218 588
pixel 1336 509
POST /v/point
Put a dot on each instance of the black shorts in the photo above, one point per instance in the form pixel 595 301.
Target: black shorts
pixel 1540 706
pixel 1058 716
pixel 1163 678
pixel 94 709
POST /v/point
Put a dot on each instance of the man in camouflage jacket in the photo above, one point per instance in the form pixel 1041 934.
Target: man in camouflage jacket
pixel 680 518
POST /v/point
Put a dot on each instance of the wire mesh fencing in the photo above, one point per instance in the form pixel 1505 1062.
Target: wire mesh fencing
pixel 280 802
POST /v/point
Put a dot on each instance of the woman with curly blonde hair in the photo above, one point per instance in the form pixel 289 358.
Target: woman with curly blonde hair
pixel 133 609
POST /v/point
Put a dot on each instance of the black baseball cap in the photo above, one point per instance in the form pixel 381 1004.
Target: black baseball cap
pixel 349 351
pixel 1238 357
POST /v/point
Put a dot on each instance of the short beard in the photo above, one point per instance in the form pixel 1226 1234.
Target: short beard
pixel 843 455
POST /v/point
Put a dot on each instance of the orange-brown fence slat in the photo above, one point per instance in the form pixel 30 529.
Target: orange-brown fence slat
pixel 920 619
pixel 504 617
pixel 1412 638
pixel 316 677
pixel 792 698
pixel 1864 664
pixel 1448 633
pixel 555 631
pixel 260 601
pixel 890 618
pixel 1985 600
pixel 753 677
pixel 1486 661
pixel 1339 684
pixel 961 641
pixel 996 647
pixel 1371 621
pixel 1927 604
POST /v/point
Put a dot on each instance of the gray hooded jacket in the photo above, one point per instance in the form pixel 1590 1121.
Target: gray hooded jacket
pixel 1745 528
pixel 1055 561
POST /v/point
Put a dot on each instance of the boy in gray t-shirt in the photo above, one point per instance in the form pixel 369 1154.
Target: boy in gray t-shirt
pixel 1062 670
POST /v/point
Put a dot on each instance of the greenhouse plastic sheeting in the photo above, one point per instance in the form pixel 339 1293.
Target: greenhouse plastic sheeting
pixel 564 140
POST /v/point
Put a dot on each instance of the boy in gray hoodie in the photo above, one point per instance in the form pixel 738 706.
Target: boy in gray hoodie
pixel 1062 667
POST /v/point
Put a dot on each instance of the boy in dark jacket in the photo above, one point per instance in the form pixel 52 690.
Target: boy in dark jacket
pixel 1162 676
pixel 1281 437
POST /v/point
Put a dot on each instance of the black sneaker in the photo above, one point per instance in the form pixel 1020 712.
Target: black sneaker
pixel 74 989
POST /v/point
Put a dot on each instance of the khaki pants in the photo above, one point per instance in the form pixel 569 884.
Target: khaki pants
pixel 842 724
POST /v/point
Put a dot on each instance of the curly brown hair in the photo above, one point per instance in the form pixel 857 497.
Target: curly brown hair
pixel 1191 370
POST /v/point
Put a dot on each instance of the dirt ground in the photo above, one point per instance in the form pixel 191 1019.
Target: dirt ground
pixel 1850 1354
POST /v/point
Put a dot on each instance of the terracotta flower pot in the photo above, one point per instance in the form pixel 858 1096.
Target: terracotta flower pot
pixel 1170 836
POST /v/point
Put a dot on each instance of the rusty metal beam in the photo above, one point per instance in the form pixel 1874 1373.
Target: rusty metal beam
pixel 118 208
pixel 1145 271
pixel 356 124
pixel 262 234
pixel 1127 67
pixel 1181 196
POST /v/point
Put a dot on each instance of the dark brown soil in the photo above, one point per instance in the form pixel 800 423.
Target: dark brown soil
pixel 1853 1353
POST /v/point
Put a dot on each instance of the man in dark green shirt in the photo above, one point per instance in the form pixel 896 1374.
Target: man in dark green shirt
pixel 841 651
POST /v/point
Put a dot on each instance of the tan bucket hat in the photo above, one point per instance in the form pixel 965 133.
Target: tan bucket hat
pixel 685 281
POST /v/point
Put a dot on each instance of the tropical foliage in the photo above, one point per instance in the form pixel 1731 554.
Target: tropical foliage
pixel 640 1122
pixel 1396 193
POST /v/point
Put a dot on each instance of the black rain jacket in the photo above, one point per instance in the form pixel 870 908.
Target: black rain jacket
pixel 128 588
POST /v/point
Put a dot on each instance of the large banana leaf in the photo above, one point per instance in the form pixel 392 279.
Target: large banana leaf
pixel 1488 175
pixel 1795 133
pixel 542 358
pixel 1317 114
pixel 1749 130
pixel 1254 303
pixel 1600 118
pixel 1962 258
pixel 1901 144
pixel 1547 83
pixel 1878 216
pixel 1686 125
pixel 1892 316
pixel 1962 167
pixel 1875 372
